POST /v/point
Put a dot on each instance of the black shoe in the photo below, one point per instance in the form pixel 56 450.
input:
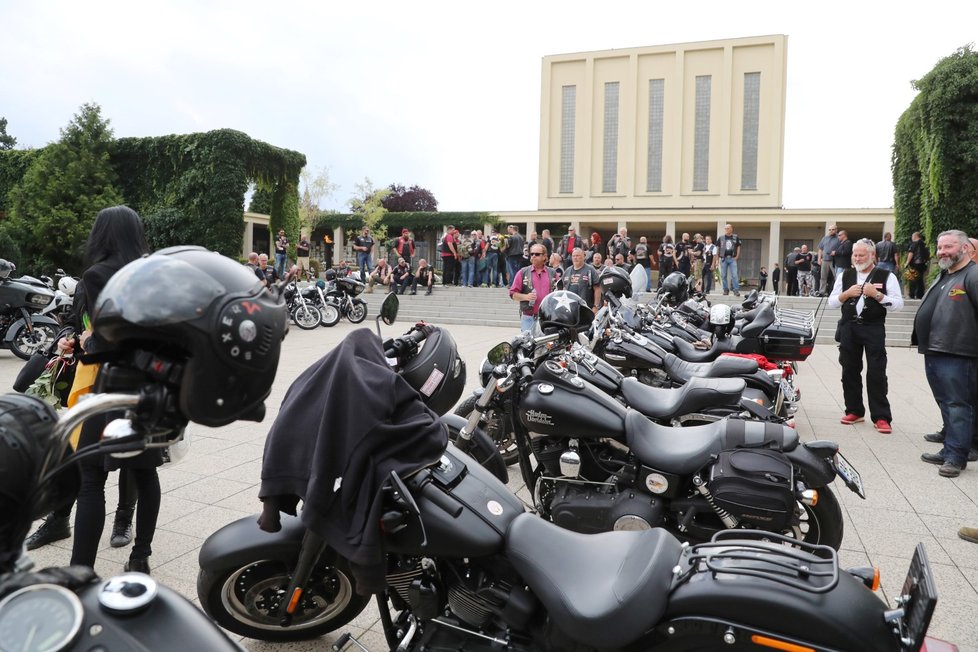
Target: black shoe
pixel 935 437
pixel 137 565
pixel 121 529
pixel 972 455
pixel 428 292
pixel 413 292
pixel 54 528
pixel 951 470
pixel 932 458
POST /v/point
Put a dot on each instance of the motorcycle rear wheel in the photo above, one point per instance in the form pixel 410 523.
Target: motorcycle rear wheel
pixel 357 313
pixel 821 524
pixel 246 599
pixel 498 427
pixel 330 315
pixel 26 343
pixel 306 317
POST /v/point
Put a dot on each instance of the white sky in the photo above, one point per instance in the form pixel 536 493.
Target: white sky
pixel 446 95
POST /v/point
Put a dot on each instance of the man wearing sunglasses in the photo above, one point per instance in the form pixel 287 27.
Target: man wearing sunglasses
pixel 531 284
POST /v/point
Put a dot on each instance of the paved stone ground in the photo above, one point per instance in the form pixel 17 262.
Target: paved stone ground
pixel 907 502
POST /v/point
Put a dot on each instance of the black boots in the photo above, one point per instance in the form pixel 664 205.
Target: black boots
pixel 54 528
pixel 137 565
pixel 121 528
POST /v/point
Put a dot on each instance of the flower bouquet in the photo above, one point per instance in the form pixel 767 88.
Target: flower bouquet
pixel 910 275
pixel 54 383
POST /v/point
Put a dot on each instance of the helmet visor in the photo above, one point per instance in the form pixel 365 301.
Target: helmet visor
pixel 158 290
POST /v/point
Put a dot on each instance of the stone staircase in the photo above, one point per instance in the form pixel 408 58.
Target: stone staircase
pixel 493 307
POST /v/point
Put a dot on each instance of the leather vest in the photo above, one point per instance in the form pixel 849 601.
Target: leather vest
pixel 872 310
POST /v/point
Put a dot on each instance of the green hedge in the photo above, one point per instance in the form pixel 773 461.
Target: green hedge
pixel 415 221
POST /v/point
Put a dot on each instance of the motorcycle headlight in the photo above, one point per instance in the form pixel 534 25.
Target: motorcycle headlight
pixel 39 299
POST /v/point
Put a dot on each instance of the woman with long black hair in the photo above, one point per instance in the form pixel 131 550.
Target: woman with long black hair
pixel 117 238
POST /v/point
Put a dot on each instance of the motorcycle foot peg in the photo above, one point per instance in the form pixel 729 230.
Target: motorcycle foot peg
pixel 344 642
pixel 570 464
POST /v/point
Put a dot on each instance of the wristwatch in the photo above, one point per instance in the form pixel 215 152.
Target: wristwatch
pixel 879 296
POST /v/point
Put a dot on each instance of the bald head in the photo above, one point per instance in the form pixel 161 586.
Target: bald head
pixel 974 249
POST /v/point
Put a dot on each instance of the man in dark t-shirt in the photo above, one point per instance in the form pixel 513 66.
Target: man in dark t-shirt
pixel 582 279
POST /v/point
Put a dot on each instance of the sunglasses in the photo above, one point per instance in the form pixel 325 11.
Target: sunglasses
pixel 538 254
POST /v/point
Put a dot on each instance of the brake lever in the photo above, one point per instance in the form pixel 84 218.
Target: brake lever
pixel 403 499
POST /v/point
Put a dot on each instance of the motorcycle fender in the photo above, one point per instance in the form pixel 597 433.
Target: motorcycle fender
pixel 35 319
pixel 489 455
pixel 818 471
pixel 243 541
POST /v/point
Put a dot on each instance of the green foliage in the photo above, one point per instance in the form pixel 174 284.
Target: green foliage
pixel 368 204
pixel 204 176
pixel 316 186
pixel 417 222
pixel 53 206
pixel 14 164
pixel 261 201
pixel 285 214
pixel 935 153
pixel 6 141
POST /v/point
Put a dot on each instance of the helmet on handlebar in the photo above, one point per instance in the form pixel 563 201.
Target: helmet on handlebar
pixel 212 330
pixel 721 321
pixel 616 281
pixel 330 274
pixel 6 267
pixel 675 288
pixel 437 372
pixel 67 285
pixel 564 309
pixel 26 441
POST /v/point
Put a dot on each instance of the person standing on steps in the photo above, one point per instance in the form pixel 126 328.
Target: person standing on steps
pixel 729 252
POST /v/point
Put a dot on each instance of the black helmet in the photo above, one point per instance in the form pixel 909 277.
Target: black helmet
pixel 210 315
pixel 564 309
pixel 437 372
pixel 330 274
pixel 616 281
pixel 675 288
pixel 26 442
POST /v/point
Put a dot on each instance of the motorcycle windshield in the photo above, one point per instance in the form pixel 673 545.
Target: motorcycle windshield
pixel 135 292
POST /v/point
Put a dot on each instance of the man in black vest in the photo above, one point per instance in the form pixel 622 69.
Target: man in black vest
pixel 865 293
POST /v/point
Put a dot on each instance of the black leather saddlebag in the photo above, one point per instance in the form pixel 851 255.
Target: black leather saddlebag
pixel 756 486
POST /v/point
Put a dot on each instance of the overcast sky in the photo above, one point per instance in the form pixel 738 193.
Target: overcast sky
pixel 446 95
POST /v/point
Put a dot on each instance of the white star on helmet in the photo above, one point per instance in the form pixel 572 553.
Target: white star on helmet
pixel 563 302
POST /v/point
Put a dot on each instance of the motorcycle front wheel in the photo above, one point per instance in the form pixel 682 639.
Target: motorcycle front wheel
pixel 497 425
pixel 246 600
pixel 330 315
pixel 306 317
pixel 357 313
pixel 26 343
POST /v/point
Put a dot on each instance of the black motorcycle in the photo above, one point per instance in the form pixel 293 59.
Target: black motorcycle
pixel 343 292
pixel 22 329
pixel 465 567
pixel 302 311
pixel 315 294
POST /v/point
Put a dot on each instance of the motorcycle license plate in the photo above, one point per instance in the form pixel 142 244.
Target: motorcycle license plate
pixel 849 475
pixel 919 597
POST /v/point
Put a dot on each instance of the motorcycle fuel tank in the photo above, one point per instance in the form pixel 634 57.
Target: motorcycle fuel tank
pixel 558 403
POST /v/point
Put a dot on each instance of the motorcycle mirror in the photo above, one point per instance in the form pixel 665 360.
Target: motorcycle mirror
pixel 388 312
pixel 502 353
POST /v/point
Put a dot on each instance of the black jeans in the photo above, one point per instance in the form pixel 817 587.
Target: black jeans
pixel 917 285
pixel 449 271
pixel 90 515
pixel 854 340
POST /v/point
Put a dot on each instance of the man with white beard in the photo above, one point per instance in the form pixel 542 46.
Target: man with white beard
pixel 869 293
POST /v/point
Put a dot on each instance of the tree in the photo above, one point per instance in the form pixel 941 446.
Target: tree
pixel 315 188
pixel 935 151
pixel 414 199
pixel 368 204
pixel 53 206
pixel 6 142
pixel 261 201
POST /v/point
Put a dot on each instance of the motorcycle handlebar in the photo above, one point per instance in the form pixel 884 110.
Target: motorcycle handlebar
pixel 408 342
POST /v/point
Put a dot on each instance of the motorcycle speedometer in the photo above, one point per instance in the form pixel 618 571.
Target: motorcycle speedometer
pixel 43 617
pixel 38 299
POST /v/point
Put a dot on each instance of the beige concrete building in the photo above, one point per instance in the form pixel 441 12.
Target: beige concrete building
pixel 672 139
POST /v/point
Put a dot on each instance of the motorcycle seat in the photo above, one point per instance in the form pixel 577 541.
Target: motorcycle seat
pixel 696 394
pixel 604 590
pixel 763 319
pixel 723 367
pixel 688 352
pixel 683 451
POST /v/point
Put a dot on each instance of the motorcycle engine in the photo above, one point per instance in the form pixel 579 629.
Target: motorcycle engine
pixel 590 509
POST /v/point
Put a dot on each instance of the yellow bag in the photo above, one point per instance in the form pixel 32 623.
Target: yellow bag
pixel 85 375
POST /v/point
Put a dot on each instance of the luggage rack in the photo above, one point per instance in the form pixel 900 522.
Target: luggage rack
pixel 764 555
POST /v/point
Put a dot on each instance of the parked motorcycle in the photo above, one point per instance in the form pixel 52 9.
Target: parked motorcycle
pixel 464 567
pixel 305 315
pixel 315 294
pixel 22 329
pixel 343 293
pixel 64 296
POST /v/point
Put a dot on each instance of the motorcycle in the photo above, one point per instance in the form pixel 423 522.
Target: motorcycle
pixel 22 329
pixel 315 295
pixel 305 315
pixel 64 295
pixel 465 567
pixel 343 294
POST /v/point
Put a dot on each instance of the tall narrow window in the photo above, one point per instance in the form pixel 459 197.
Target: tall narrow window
pixel 610 163
pixel 568 114
pixel 657 89
pixel 752 118
pixel 701 134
